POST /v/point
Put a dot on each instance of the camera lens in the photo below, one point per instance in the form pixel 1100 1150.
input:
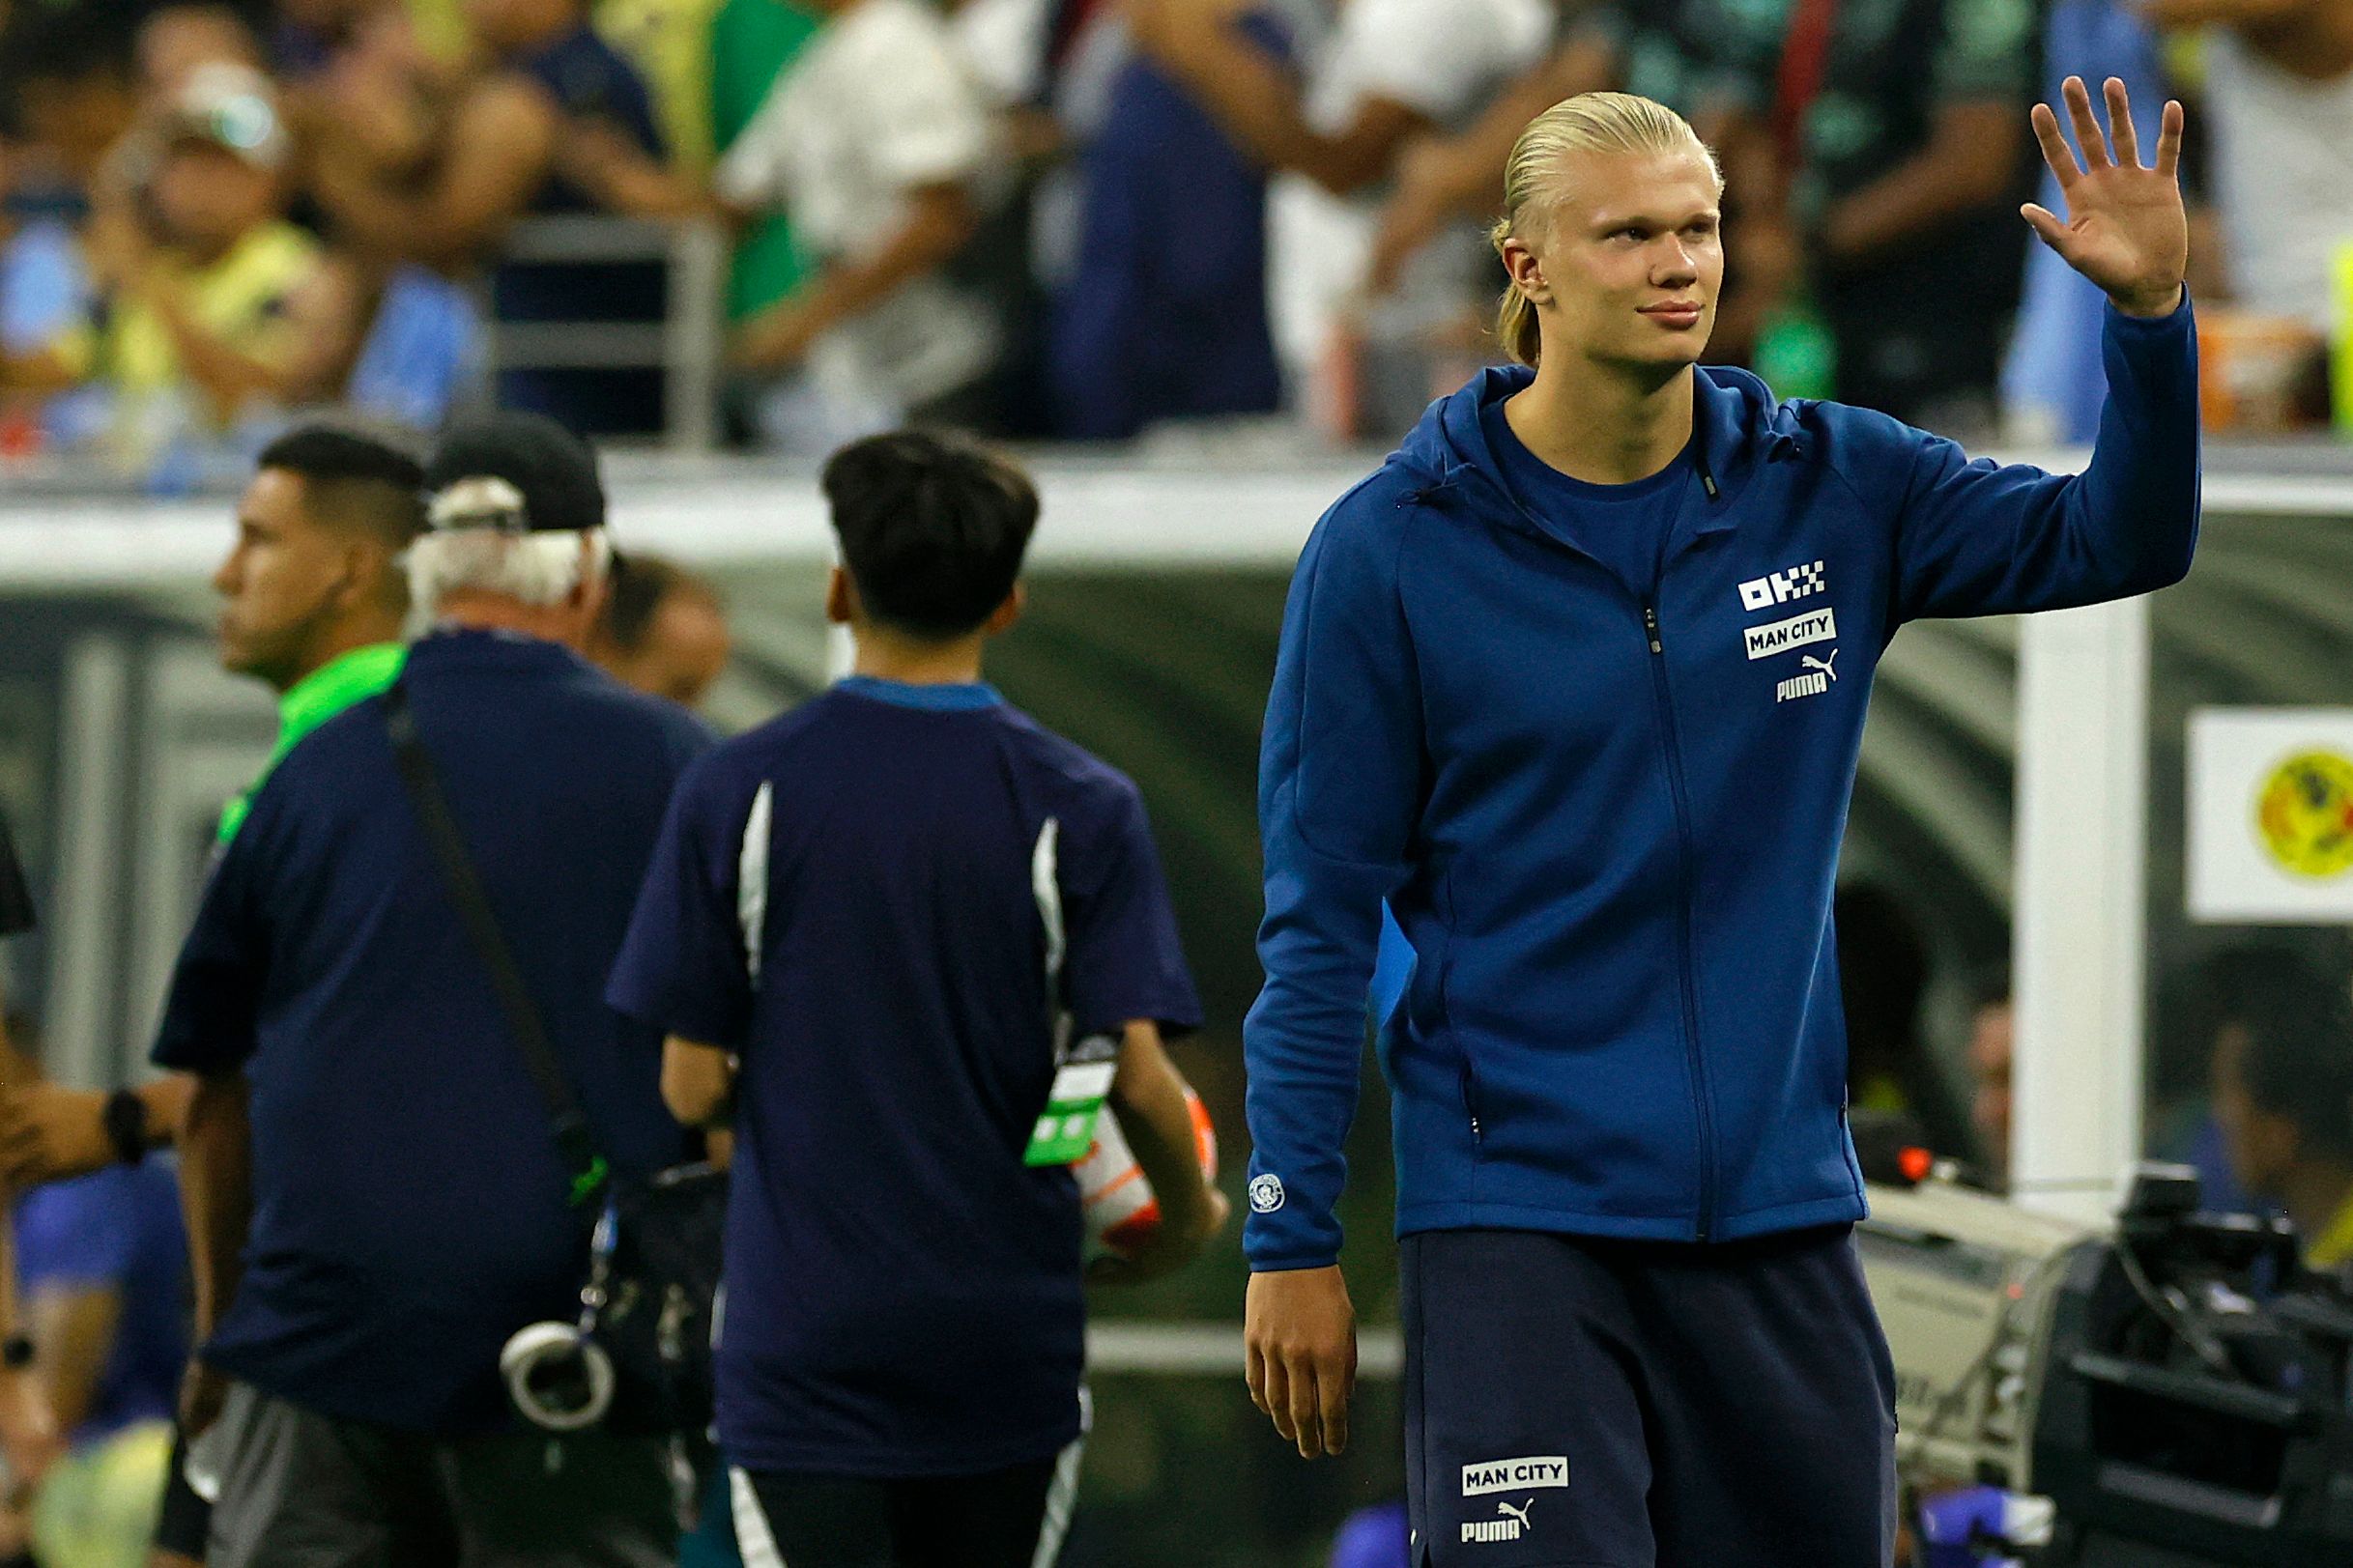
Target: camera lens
pixel 559 1379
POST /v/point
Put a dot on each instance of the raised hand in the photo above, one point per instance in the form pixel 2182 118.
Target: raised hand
pixel 2125 228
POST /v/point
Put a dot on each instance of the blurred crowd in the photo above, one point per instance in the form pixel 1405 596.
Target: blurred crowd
pixel 1077 220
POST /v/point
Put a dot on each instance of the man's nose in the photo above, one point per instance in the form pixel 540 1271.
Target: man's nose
pixel 1674 266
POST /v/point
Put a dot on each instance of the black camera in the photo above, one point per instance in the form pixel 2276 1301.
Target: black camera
pixel 2196 1408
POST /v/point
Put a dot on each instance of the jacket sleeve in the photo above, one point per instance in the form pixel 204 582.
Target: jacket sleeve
pixel 1340 781
pixel 1978 539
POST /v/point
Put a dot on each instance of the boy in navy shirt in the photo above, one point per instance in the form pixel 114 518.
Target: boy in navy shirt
pixel 874 924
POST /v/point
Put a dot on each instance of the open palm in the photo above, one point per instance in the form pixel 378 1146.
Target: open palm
pixel 2125 228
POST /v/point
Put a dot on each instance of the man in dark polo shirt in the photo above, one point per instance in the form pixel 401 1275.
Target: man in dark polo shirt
pixel 375 1197
pixel 313 595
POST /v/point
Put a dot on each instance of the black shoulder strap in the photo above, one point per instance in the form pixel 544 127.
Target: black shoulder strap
pixel 586 1167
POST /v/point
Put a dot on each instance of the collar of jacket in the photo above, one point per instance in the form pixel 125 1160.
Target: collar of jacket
pixel 1736 423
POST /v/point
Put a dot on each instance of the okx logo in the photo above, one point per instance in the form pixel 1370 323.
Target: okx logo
pixel 1780 587
pixel 1509 1524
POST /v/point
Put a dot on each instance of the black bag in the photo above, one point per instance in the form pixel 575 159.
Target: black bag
pixel 659 1295
pixel 655 1255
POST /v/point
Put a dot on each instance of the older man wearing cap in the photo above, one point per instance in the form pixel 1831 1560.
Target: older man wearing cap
pixel 212 309
pixel 376 1199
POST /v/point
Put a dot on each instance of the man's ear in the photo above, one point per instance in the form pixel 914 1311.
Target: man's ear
pixel 1526 271
pixel 589 591
pixel 589 595
pixel 356 570
pixel 380 573
pixel 841 598
pixel 1002 618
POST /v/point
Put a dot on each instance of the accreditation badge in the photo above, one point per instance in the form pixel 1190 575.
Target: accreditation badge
pixel 1066 1128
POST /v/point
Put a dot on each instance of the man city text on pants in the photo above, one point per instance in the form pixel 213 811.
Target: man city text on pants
pixel 1515 1474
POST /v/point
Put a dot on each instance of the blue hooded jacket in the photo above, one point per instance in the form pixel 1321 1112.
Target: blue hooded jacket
pixel 1608 825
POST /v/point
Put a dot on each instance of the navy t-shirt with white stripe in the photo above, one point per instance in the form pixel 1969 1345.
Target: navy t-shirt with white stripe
pixel 859 899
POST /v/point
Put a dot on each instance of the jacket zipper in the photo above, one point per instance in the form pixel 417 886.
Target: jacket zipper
pixel 1682 835
pixel 1470 1102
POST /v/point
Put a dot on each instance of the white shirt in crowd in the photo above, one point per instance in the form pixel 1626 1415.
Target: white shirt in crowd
pixel 879 105
pixel 1440 58
pixel 2283 178
pixel 1004 43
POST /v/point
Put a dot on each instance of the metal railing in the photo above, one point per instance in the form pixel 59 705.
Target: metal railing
pixel 686 345
pixel 1193 1349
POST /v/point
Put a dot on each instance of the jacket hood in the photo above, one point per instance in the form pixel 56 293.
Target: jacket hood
pixel 1736 423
